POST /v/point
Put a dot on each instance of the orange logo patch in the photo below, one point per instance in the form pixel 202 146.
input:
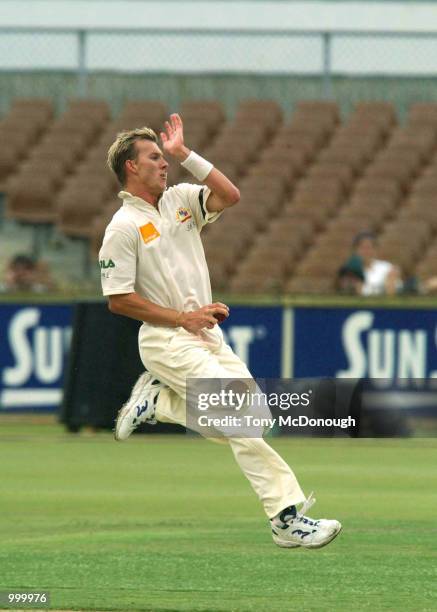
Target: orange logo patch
pixel 148 232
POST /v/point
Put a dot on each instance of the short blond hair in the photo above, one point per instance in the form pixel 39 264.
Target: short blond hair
pixel 123 148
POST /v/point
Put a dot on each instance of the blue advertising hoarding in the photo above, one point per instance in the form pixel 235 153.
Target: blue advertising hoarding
pixel 34 341
pixel 273 341
pixel 360 343
pixel 255 335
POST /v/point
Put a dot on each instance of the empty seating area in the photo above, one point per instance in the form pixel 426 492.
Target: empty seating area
pixel 309 180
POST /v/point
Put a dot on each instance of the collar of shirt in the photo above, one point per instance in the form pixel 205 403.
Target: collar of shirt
pixel 128 198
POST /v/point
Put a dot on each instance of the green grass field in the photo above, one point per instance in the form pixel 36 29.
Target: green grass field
pixel 169 523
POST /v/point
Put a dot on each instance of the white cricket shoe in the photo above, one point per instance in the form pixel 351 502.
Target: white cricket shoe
pixel 298 530
pixel 140 407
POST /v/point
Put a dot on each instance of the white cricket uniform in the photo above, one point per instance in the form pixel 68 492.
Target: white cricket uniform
pixel 158 253
pixel 375 277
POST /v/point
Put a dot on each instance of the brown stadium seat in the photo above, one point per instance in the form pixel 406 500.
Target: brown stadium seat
pixel 286 249
pixel 75 212
pixel 420 213
pixel 282 228
pixel 33 106
pixel 383 109
pixel 309 285
pixel 319 188
pixel 378 186
pixel 32 201
pixel 319 108
pixel 317 134
pixel 358 222
pixel 144 107
pixel 226 258
pixel 21 128
pixel 260 108
pixel 313 198
pixel 256 217
pixel 413 244
pixel 421 139
pixel 260 257
pixel 347 155
pixel 345 227
pixel 257 205
pixel 366 142
pixel 267 187
pixel 255 283
pixel 210 113
pixel 19 136
pixel 68 127
pixel 267 113
pixel 237 157
pixel 386 170
pixel 318 215
pixel 401 155
pixel 425 184
pixel 89 107
pixel 372 204
pixel 343 173
pixel 264 268
pixel 55 170
pixel 275 168
pixel 141 113
pixel 305 144
pixel 218 275
pixel 404 258
pixel 419 231
pixel 325 266
pixel 226 232
pixel 328 249
pixel 429 171
pixel 249 141
pixel 295 158
pixel 426 269
pixel 423 113
pixel 8 163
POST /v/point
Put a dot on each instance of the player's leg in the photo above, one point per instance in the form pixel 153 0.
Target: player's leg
pixel 272 479
pixel 275 483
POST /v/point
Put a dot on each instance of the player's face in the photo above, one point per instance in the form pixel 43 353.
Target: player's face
pixel 150 166
pixel 366 249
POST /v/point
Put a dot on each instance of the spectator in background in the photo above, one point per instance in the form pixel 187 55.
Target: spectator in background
pixel 350 277
pixel 371 276
pixel 25 275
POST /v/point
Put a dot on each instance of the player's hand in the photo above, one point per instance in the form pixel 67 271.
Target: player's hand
pixel 173 137
pixel 194 321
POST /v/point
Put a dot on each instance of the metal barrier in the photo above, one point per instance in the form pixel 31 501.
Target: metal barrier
pixel 218 51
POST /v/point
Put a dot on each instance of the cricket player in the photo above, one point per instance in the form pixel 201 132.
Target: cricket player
pixel 155 271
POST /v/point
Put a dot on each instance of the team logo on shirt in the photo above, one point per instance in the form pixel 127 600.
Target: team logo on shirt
pixel 148 232
pixel 182 214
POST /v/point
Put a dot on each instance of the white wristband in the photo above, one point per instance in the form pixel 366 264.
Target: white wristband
pixel 199 167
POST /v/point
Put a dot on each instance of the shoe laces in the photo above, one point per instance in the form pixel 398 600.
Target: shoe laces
pixel 300 514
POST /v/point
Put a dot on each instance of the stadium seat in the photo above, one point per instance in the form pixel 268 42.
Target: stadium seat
pixel 305 285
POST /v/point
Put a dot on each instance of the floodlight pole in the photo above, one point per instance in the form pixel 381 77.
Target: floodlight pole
pixel 327 75
pixel 82 73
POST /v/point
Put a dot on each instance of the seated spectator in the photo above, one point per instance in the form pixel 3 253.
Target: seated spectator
pixel 379 277
pixel 23 274
pixel 350 277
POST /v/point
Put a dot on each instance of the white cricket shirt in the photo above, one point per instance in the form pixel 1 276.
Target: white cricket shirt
pixel 158 253
pixel 375 276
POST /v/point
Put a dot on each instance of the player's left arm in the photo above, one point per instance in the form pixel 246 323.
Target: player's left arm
pixel 223 192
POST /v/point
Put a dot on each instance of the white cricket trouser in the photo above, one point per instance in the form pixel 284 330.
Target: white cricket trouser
pixel 173 356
